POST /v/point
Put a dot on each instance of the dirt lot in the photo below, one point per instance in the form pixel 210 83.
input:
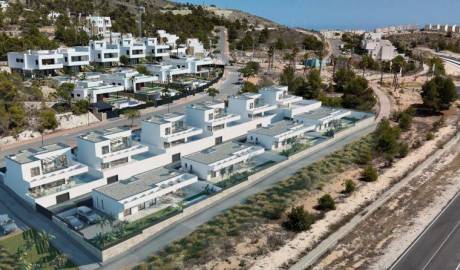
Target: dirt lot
pixel 375 243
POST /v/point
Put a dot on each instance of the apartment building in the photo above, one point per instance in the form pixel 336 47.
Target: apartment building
pixel 219 162
pixel 104 53
pixel 75 57
pixel 133 49
pixel 36 63
pixel 49 175
pixel 323 118
pixel 94 90
pixel 279 135
pixel 141 194
pixel 129 79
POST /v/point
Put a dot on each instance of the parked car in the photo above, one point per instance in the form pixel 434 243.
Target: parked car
pixel 7 225
pixel 87 215
pixel 74 223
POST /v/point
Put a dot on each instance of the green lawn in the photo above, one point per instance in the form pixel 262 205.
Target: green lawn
pixel 41 253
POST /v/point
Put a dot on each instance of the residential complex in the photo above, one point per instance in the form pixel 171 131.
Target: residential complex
pixel 108 53
pixel 129 176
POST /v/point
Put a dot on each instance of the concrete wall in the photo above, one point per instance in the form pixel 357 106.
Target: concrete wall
pixel 202 205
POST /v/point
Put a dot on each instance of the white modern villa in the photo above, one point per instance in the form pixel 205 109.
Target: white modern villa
pixel 280 135
pixel 36 63
pixel 129 79
pixel 49 175
pixel 141 193
pixel 216 163
pixel 94 90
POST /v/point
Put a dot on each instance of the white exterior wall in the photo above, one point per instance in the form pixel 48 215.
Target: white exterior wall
pixel 103 52
pixel 69 53
pixel 33 60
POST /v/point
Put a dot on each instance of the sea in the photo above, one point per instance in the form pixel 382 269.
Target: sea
pixel 346 14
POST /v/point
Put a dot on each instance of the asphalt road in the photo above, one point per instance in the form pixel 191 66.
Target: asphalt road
pixel 438 248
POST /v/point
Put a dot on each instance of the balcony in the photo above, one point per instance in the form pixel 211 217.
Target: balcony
pixel 288 99
pixel 182 133
pixel 223 118
pixel 69 171
pixel 133 150
pixel 262 108
pixel 72 182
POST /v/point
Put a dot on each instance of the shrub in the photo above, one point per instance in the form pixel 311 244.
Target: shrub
pixel 299 219
pixel 403 150
pixel 405 121
pixel 350 186
pixel 80 107
pixel 429 136
pixel 326 203
pixel 369 174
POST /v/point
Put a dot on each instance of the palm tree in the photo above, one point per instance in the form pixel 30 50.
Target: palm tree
pixel 45 238
pixel 132 114
pixel 60 260
pixel 271 55
pixel 7 261
pixel 212 92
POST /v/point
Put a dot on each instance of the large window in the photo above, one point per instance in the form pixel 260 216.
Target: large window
pixel 48 61
pixel 127 212
pixel 120 144
pixel 105 149
pixel 35 171
pixel 54 163
pixel 118 162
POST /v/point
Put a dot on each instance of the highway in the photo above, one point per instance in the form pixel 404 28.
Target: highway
pixel 438 247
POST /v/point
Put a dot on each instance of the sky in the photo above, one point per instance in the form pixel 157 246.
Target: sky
pixel 346 14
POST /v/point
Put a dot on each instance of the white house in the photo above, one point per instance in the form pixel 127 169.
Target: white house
pixel 114 153
pixel 98 26
pixel 167 38
pixel 221 161
pixel 167 131
pixel 141 193
pixel 171 67
pixel 195 47
pixel 131 80
pixel 35 63
pixel 104 53
pixel 278 95
pixel 279 135
pixel 49 175
pixel 94 90
pixel 323 118
pixel 377 47
pixel 210 116
pixel 133 49
pixel 75 57
pixel 249 106
pixel 155 49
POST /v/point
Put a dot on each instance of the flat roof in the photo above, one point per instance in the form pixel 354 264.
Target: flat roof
pixel 163 118
pixel 322 112
pixel 100 135
pixel 217 153
pixel 207 105
pixel 138 184
pixel 29 155
pixel 276 128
